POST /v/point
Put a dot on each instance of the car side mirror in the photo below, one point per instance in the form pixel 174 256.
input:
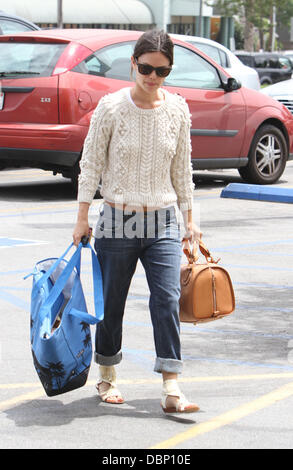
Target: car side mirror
pixel 232 84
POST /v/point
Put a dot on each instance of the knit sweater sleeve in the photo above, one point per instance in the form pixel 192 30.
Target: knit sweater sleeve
pixel 94 152
pixel 181 169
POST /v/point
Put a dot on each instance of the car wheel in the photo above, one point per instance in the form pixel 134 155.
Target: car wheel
pixel 266 82
pixel 267 156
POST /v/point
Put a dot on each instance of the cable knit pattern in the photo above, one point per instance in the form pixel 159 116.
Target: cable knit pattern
pixel 143 156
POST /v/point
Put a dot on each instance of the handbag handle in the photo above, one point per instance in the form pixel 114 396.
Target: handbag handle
pixel 60 283
pixel 98 292
pixel 50 271
pixel 193 255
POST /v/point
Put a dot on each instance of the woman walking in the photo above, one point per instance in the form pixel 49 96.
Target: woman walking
pixel 139 144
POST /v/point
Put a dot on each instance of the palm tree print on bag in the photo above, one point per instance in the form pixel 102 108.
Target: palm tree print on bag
pixel 57 372
pixel 53 373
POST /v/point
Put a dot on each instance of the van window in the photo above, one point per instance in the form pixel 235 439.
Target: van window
pixel 285 63
pixel 261 62
pixel 246 60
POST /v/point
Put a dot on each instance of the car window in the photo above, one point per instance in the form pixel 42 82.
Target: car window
pixel 260 62
pixel 189 69
pixel 24 59
pixel 110 62
pixel 290 57
pixel 9 26
pixel 216 54
pixel 285 63
pixel 225 61
pixel 192 71
pixel 273 63
pixel 246 60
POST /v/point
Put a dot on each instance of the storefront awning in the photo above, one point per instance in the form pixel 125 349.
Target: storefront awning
pixel 81 11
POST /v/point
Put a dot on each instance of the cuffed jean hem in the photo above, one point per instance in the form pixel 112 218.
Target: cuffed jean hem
pixel 168 365
pixel 108 360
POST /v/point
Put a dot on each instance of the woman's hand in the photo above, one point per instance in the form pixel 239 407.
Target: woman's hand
pixel 82 226
pixel 81 229
pixel 193 233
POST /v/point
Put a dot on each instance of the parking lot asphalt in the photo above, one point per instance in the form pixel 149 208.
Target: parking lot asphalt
pixel 238 369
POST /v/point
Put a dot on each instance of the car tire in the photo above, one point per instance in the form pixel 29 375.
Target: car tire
pixel 266 81
pixel 267 156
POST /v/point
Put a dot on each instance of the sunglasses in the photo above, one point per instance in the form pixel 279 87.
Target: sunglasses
pixel 146 69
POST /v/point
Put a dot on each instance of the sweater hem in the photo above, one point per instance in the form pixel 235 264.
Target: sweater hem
pixel 138 200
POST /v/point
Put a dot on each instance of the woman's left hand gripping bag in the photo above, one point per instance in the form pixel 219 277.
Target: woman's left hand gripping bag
pixel 60 334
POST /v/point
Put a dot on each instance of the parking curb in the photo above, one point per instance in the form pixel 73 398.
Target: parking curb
pixel 258 192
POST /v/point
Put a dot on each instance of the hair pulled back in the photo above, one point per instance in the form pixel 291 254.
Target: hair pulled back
pixel 155 40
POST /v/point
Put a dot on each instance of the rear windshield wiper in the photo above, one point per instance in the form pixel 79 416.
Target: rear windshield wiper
pixel 18 72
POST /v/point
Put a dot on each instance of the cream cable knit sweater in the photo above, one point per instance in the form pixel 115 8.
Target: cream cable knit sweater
pixel 142 155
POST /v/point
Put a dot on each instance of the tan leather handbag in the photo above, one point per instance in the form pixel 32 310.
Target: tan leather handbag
pixel 206 289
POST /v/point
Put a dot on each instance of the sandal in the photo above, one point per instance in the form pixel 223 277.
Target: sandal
pixel 112 394
pixel 170 388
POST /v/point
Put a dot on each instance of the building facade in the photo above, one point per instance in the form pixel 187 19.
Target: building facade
pixel 191 17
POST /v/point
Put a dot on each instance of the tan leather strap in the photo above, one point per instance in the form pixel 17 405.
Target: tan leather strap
pixel 193 255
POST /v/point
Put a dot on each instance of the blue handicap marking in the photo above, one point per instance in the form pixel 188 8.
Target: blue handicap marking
pixel 6 242
pixel 5 294
pixel 12 299
pixel 258 192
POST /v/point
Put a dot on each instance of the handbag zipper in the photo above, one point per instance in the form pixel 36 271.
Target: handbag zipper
pixel 214 292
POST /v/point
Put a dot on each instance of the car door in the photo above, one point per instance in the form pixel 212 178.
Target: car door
pixel 217 116
pixel 105 70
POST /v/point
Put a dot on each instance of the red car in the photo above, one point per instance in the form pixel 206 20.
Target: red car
pixel 51 81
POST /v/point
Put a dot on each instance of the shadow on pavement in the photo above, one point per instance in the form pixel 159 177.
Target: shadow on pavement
pixel 44 412
pixel 36 191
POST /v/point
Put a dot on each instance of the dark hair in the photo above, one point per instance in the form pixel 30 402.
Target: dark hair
pixel 154 40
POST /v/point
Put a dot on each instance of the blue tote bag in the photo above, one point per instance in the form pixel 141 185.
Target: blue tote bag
pixel 60 334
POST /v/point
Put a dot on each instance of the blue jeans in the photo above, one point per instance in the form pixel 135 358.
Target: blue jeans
pixel 121 239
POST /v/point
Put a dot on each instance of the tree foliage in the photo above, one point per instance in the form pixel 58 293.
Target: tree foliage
pixel 257 14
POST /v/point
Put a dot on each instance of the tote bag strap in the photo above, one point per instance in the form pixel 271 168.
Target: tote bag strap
pixel 98 293
pixel 52 268
pixel 59 285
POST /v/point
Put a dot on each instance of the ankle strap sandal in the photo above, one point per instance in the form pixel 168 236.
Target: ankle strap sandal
pixel 182 405
pixel 110 394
